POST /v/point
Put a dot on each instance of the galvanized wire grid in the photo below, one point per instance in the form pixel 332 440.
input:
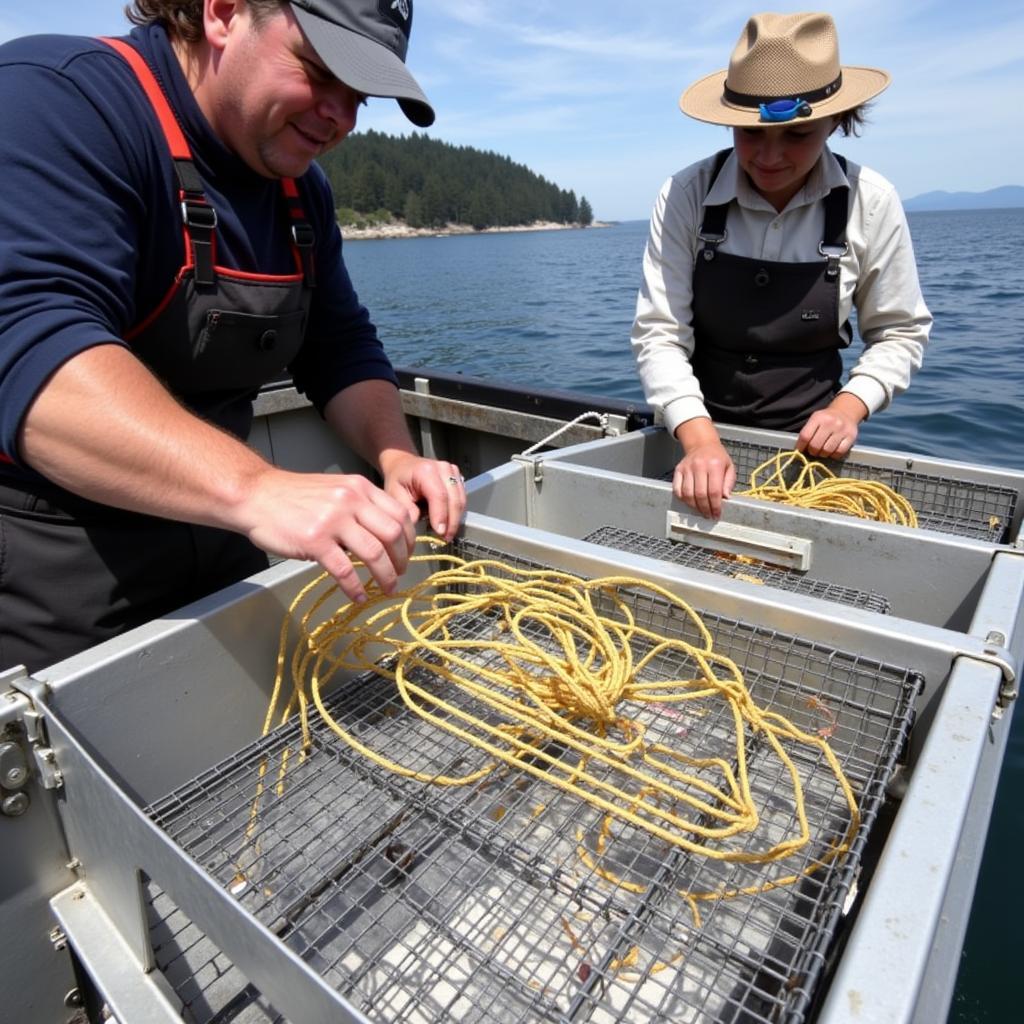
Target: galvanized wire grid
pixel 697 557
pixel 426 903
pixel 960 507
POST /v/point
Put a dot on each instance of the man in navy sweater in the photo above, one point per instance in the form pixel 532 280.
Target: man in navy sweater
pixel 167 245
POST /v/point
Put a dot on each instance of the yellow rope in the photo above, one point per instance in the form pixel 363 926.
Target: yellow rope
pixel 561 665
pixel 818 487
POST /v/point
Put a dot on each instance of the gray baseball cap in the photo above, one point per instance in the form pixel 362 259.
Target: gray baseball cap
pixel 364 43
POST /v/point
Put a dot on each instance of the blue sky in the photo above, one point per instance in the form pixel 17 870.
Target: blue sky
pixel 586 93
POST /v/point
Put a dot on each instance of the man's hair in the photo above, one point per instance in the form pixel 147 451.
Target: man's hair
pixel 184 18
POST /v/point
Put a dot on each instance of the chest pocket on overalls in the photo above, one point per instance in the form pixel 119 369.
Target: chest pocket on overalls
pixel 236 349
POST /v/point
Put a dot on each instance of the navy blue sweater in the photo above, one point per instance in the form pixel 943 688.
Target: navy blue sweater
pixel 90 227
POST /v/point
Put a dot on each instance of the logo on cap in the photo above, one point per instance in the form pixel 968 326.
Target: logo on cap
pixel 398 12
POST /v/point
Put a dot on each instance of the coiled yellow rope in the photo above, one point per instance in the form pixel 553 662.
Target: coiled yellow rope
pixel 562 688
pixel 818 487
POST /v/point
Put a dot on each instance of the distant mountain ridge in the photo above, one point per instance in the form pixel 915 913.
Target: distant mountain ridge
pixel 995 198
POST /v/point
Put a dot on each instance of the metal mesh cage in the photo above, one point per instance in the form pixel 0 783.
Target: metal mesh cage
pixel 491 902
pixel 697 557
pixel 960 507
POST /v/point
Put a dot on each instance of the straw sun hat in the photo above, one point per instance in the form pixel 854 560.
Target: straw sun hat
pixel 781 57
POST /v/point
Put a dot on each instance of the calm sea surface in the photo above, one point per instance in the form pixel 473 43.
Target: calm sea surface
pixel 553 309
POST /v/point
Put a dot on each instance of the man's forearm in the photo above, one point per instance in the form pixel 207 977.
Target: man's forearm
pixel 368 417
pixel 105 428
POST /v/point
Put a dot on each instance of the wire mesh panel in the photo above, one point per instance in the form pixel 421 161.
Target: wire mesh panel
pixel 698 557
pixel 960 507
pixel 509 898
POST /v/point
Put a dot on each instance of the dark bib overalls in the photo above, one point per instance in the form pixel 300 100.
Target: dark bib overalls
pixel 766 336
pixel 74 572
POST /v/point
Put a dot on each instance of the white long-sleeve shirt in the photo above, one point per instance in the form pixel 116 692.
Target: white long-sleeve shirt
pixel 878 276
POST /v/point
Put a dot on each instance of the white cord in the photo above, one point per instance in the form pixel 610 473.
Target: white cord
pixel 601 417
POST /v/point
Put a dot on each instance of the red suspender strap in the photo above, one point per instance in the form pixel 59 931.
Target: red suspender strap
pixel 199 216
pixel 168 122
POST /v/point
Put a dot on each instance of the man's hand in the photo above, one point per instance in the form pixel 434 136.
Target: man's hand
pixel 409 478
pixel 332 519
pixel 831 432
pixel 705 475
pixel 368 417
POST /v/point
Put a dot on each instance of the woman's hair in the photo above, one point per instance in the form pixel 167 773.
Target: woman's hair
pixel 184 18
pixel 851 122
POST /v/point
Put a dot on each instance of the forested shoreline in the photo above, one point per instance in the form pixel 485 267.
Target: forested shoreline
pixel 426 183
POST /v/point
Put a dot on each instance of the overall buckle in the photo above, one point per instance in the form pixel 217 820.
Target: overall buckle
pixel 833 254
pixel 712 240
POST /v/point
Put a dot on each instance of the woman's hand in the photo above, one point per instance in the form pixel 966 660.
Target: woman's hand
pixel 831 432
pixel 705 475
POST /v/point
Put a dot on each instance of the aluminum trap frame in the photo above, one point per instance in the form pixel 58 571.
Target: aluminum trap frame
pixel 964 508
pixel 484 902
pixel 697 557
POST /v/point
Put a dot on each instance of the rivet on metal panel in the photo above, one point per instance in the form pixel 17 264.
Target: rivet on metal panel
pixel 73 1000
pixel 13 766
pixel 15 805
pixel 58 939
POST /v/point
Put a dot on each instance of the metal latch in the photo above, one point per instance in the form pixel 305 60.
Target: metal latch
pixel 50 775
pixel 34 723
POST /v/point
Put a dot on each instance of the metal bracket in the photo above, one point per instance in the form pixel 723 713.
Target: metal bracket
pixel 50 775
pixel 532 460
pixel 34 721
pixel 421 385
pixel 615 425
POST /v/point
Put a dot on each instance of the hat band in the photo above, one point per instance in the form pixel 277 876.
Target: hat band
pixel 742 99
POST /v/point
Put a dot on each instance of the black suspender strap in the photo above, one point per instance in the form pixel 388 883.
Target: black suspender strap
pixel 712 229
pixel 200 220
pixel 303 236
pixel 833 245
pixel 837 212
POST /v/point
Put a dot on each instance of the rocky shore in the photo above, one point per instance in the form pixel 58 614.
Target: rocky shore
pixel 396 229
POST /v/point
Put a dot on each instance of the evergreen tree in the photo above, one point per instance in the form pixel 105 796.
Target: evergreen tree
pixel 412 210
pixel 586 214
pixel 429 183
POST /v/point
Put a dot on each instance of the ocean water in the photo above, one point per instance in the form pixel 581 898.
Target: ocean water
pixel 553 310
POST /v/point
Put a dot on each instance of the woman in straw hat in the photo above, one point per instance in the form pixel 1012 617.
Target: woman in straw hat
pixel 757 256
